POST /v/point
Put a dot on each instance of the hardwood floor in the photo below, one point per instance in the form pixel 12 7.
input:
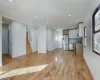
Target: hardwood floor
pixel 55 65
pixel 6 59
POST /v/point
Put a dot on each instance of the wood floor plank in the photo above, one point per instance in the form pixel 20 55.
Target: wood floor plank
pixel 55 65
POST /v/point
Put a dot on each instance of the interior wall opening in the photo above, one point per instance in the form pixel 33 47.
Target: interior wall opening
pixel 6 41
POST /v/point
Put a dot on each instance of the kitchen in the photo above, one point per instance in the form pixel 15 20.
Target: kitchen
pixel 73 39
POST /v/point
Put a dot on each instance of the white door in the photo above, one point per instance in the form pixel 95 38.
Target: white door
pixel 4 41
pixel 49 48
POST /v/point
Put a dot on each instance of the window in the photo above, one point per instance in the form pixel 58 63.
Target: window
pixel 84 36
pixel 96 30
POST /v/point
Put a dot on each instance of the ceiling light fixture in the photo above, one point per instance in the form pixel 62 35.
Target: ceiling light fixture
pixel 10 0
pixel 69 15
pixel 36 16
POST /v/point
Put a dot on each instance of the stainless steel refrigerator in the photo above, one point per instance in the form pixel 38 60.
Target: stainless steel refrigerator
pixel 65 42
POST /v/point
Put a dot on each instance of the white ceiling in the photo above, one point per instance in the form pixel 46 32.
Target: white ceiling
pixel 46 12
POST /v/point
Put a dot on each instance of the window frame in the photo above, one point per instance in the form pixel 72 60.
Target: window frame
pixel 93 28
pixel 84 36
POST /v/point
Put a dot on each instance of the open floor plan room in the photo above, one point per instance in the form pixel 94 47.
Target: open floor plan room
pixel 55 65
pixel 49 39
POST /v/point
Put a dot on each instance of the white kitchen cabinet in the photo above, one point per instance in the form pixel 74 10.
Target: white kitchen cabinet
pixel 81 30
pixel 73 33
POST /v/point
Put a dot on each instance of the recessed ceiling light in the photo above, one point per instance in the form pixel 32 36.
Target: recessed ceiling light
pixel 69 15
pixel 36 16
pixel 10 0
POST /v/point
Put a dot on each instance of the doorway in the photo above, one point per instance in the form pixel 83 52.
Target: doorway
pixel 6 42
pixel 28 45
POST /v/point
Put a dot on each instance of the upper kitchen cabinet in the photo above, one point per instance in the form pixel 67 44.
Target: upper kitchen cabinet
pixel 73 33
pixel 81 30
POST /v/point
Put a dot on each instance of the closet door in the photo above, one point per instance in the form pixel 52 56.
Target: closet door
pixel 49 40
pixel 70 33
pixel 73 33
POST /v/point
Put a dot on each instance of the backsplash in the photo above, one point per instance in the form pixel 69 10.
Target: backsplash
pixel 76 40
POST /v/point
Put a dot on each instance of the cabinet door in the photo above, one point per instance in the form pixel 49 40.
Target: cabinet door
pixel 73 33
pixel 70 33
pixel 76 33
pixel 81 30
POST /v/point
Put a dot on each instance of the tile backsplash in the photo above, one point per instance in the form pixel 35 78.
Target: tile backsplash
pixel 76 40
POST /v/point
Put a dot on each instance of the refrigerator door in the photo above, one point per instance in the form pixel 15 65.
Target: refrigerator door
pixel 65 42
pixel 65 39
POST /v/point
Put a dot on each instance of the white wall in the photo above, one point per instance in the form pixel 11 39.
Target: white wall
pixel 18 39
pixel 92 59
pixel 59 38
pixel 0 40
pixel 42 39
pixel 34 35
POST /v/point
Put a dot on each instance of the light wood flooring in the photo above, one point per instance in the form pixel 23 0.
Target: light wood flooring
pixel 6 59
pixel 55 65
